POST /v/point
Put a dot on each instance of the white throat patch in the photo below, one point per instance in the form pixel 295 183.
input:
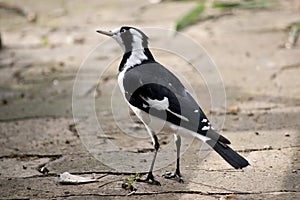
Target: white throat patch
pixel 137 54
pixel 137 57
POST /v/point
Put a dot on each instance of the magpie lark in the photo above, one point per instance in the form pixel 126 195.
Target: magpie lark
pixel 151 89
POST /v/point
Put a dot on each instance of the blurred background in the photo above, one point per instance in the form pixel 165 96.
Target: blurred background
pixel 254 43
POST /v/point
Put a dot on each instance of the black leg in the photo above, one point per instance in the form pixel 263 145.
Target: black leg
pixel 177 175
pixel 150 178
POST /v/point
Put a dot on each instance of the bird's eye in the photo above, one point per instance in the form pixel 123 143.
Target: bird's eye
pixel 122 30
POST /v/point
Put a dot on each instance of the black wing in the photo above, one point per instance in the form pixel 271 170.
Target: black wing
pixel 155 90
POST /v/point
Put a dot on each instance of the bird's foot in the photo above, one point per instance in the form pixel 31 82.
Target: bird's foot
pixel 150 179
pixel 175 176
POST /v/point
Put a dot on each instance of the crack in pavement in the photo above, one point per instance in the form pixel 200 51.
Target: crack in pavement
pixel 176 192
pixel 268 148
pixel 32 156
pixel 284 68
pixel 37 116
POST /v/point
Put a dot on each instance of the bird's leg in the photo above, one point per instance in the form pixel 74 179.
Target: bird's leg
pixel 150 178
pixel 177 176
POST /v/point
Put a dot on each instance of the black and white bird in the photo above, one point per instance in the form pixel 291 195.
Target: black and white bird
pixel 151 89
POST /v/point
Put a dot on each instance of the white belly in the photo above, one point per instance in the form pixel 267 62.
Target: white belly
pixel 140 114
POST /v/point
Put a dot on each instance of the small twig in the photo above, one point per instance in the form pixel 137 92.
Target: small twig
pixel 100 177
pixel 285 67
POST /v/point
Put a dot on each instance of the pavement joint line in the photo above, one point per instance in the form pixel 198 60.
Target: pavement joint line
pixel 56 156
pixel 213 193
pixel 266 149
pixel 176 192
pixel 51 156
pixel 32 117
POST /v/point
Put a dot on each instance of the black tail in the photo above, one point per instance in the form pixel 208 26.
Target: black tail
pixel 232 157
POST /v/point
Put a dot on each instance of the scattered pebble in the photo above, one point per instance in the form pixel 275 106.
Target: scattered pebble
pixel 235 118
pixel 228 196
pixel 287 135
pixel 136 127
pixel 31 17
pixel 268 147
pixel 224 129
pixel 55 82
pixel 247 54
pixel 79 40
pixel 250 114
pixel 4 101
pixel 72 128
pixel 61 64
pixel 126 186
pixel 256 133
pixel 69 40
pixel 43 170
pixel 130 187
pixel 233 110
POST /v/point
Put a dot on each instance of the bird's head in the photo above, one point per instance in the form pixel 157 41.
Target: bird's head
pixel 129 38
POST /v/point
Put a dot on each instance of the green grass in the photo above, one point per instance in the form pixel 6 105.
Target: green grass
pixel 254 4
pixel 194 15
pixel 190 18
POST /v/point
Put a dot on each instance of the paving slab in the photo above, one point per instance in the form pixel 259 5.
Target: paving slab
pixel 48 136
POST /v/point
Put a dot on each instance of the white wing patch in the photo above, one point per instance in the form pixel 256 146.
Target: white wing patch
pixel 162 105
pixel 179 116
pixel 204 120
pixel 157 104
pixel 205 128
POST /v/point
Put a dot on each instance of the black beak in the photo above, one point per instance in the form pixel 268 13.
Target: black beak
pixel 108 33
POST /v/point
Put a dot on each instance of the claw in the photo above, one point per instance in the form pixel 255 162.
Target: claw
pixel 175 176
pixel 150 179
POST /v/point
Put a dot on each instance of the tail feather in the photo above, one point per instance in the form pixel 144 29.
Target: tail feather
pixel 232 157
